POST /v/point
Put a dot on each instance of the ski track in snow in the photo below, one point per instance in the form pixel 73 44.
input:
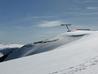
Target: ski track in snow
pixel 81 67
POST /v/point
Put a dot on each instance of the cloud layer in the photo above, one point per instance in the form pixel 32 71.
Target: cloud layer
pixel 51 23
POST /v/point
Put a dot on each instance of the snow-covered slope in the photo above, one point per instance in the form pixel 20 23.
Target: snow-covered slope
pixel 40 46
pixel 76 57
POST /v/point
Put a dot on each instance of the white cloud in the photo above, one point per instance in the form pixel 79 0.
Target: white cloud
pixel 50 23
pixel 92 7
pixel 90 1
pixel 38 17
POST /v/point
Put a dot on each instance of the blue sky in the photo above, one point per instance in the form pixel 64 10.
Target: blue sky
pixel 26 21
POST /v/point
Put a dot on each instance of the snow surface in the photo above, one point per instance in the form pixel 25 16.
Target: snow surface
pixel 77 57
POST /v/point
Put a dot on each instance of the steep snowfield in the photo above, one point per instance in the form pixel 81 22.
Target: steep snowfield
pixel 77 57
